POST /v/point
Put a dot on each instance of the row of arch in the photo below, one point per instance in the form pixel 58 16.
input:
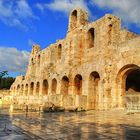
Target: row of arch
pixel 32 89
pixel 127 81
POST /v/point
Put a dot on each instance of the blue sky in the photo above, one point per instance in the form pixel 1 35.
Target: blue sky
pixel 27 22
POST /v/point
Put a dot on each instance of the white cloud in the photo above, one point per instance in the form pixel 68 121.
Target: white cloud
pixel 64 6
pixel 128 10
pixel 16 13
pixel 23 9
pixel 13 60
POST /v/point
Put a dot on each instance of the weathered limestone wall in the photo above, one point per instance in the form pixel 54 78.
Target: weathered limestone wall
pixel 81 70
pixel 5 97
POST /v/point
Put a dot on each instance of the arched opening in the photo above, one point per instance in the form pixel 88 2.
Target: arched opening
pixel 54 86
pixel 37 88
pixel 93 90
pixel 39 60
pixel 110 34
pixel 65 85
pixel 59 51
pixel 26 89
pixel 31 88
pixel 18 89
pixel 45 87
pixel 74 19
pixel 32 61
pixel 23 77
pixel 91 36
pixel 78 84
pixel 133 81
pixel 127 82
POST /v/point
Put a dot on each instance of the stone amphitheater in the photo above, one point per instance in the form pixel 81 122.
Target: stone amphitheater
pixel 94 67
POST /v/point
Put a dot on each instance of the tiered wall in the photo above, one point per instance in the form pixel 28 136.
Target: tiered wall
pixel 80 70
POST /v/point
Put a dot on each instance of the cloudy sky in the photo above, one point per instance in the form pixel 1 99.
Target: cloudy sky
pixel 25 22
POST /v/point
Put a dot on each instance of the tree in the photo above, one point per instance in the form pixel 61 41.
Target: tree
pixel 3 73
pixel 5 80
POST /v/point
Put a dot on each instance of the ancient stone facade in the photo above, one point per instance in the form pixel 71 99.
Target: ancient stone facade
pixel 92 67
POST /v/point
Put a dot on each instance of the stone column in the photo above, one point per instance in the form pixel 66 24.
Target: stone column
pixel 41 88
pixel 58 88
pixel 34 90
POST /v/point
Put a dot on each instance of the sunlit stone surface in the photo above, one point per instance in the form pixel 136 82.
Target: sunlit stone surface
pixel 93 67
pixel 91 125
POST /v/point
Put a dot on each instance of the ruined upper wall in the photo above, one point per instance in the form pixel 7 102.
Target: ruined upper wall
pixel 83 41
pixel 77 18
pixel 127 35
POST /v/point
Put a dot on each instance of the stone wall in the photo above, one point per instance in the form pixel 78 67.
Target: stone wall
pixel 86 69
pixel 5 97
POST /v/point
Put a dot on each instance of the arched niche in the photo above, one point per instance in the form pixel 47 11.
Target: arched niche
pixel 64 85
pixel 26 89
pixel 78 84
pixel 54 86
pixel 93 90
pixel 74 19
pixel 31 88
pixel 45 87
pixel 91 37
pixel 59 51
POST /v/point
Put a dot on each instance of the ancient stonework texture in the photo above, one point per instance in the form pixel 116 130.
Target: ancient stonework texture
pixel 89 68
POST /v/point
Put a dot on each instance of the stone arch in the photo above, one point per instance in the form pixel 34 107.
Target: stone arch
pixel 37 88
pixel 23 77
pixel 45 87
pixel 91 37
pixel 78 84
pixel 54 86
pixel 93 92
pixel 59 51
pixel 110 34
pixel 31 88
pixel 128 78
pixel 32 60
pixel 64 85
pixel 38 58
pixel 26 89
pixel 74 19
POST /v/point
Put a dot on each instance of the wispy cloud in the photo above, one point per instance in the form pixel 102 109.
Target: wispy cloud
pixel 31 42
pixel 13 60
pixel 16 13
pixel 64 6
pixel 128 10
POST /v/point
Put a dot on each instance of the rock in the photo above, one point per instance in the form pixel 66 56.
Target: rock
pixel 81 109
pixel 53 108
pixel 72 109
